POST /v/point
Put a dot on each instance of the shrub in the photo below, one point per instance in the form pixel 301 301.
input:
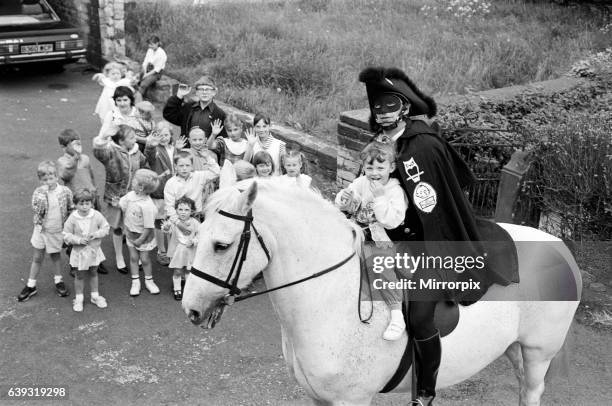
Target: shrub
pixel 571 175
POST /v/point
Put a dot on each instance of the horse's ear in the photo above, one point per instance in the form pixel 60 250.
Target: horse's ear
pixel 247 198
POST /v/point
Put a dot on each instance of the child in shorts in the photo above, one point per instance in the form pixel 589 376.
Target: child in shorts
pixel 139 213
pixel 52 203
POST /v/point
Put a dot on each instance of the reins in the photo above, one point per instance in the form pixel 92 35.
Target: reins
pixel 232 283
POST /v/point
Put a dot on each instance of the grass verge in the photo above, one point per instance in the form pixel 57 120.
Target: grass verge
pixel 298 60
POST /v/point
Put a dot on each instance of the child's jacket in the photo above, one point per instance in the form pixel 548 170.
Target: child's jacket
pixel 76 173
pixel 161 163
pixel 40 203
pixel 120 167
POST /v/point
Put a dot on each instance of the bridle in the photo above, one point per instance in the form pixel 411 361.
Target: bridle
pixel 231 282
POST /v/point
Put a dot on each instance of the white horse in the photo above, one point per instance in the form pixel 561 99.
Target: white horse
pixel 336 358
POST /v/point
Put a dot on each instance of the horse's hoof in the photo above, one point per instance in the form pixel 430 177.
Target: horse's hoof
pixel 195 317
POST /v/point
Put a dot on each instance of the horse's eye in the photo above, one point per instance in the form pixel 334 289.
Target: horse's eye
pixel 219 246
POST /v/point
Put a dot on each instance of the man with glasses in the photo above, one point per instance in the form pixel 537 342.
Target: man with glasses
pixel 201 111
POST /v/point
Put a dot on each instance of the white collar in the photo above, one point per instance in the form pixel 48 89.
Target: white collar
pixel 235 147
pixel 88 216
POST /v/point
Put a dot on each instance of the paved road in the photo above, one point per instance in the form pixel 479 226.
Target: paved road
pixel 143 350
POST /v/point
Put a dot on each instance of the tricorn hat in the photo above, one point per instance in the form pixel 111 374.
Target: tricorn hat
pixel 379 80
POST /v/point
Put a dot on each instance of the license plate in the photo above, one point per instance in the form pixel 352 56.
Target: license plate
pixel 30 49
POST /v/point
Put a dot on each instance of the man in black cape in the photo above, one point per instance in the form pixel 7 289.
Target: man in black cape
pixel 433 175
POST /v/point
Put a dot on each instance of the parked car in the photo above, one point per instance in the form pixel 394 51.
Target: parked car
pixel 31 31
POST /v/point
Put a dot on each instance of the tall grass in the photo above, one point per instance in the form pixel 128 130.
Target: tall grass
pixel 299 60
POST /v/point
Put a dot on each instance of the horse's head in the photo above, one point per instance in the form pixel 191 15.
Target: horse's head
pixel 220 267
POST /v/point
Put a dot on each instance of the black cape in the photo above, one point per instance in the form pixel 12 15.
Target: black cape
pixel 434 177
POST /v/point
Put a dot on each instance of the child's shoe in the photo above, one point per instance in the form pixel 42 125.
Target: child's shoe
pixel 27 293
pixel 102 268
pixel 77 305
pixel 178 295
pixel 61 289
pixel 99 301
pixel 151 286
pixel 135 289
pixel 396 326
pixel 163 259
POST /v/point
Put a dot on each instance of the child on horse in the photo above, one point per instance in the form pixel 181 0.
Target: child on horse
pixel 377 202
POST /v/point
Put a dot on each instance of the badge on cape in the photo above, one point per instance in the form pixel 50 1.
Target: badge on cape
pixel 424 197
pixel 412 170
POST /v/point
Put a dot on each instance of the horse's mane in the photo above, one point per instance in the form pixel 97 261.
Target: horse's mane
pixel 285 194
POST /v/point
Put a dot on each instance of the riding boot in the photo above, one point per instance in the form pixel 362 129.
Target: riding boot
pixel 427 362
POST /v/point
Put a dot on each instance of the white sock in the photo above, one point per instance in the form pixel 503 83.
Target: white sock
pixel 57 279
pixel 78 297
pixel 176 282
pixel 31 283
pixel 397 316
pixel 94 295
pixel 118 246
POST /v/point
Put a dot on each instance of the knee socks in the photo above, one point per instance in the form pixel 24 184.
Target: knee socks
pixel 118 246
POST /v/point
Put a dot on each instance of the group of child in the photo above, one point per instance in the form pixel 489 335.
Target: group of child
pixel 147 196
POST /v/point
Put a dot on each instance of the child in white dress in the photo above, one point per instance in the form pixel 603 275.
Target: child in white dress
pixel 183 241
pixel 294 168
pixel 112 76
pixel 84 230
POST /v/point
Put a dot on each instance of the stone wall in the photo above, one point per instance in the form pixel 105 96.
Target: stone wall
pixel 102 23
pixel 112 28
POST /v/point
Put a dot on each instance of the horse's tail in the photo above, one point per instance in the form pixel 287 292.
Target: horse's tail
pixel 559 365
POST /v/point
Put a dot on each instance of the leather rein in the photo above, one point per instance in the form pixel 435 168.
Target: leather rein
pixel 231 282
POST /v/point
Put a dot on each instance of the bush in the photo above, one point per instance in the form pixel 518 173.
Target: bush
pixel 568 134
pixel 571 175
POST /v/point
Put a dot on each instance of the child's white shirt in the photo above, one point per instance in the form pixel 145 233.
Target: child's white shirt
pixel 388 209
pixel 105 101
pixel 53 218
pixel 157 58
pixel 301 180
pixel 192 187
